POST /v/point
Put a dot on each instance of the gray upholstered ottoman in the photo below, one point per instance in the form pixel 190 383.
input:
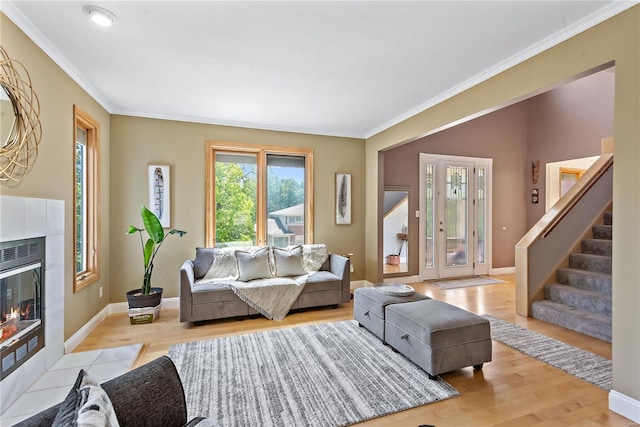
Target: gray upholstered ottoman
pixel 369 305
pixel 437 336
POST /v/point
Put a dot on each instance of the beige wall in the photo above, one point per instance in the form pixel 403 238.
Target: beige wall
pixel 616 39
pixel 52 175
pixel 137 142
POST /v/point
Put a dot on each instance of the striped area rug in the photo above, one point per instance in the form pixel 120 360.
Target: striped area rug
pixel 331 374
pixel 575 361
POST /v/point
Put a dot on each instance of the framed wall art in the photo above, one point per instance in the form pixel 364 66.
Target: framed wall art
pixel 159 193
pixel 343 198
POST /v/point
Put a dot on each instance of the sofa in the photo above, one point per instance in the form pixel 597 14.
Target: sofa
pixel 326 284
pixel 150 395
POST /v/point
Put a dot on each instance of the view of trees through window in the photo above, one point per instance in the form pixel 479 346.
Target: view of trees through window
pixel 237 204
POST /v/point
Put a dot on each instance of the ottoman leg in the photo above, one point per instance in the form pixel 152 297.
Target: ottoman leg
pixel 478 367
pixel 433 377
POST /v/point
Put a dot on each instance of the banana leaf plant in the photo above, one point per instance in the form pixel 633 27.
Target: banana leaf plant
pixel 156 236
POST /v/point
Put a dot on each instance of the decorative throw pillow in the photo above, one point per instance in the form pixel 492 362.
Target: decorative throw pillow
pixel 288 262
pixel 224 264
pixel 254 265
pixel 315 257
pixel 87 404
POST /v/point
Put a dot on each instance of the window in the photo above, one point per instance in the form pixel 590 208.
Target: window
pixel 254 191
pixel 86 196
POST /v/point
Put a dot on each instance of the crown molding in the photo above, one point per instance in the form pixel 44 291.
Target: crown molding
pixel 8 8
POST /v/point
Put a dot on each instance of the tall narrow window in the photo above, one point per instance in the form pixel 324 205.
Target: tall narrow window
pixel 86 196
pixel 429 216
pixel 260 195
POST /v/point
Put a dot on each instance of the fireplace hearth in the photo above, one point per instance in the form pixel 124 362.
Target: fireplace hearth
pixel 21 302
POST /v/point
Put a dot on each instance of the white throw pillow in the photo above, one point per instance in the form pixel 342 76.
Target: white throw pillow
pixel 254 265
pixel 288 262
pixel 86 405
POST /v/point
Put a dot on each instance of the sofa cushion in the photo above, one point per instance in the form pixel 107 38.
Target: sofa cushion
pixel 254 265
pixel 288 262
pixel 315 257
pixel 203 260
pixel 87 404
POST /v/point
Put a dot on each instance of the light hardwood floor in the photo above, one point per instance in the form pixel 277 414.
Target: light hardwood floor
pixel 512 390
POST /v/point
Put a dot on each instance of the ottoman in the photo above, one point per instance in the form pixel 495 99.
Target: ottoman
pixel 369 305
pixel 437 336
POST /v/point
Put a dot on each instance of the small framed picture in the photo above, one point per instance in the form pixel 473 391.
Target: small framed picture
pixel 159 193
pixel 343 198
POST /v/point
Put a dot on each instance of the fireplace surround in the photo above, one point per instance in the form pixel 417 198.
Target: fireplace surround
pixel 29 218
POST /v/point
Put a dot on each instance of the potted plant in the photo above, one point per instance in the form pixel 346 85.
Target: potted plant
pixel 146 296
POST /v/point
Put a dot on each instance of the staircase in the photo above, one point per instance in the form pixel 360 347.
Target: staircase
pixel 581 300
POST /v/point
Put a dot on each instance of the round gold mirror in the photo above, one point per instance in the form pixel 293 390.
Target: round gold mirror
pixel 20 129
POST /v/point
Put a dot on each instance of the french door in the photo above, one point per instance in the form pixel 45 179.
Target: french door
pixel 454 216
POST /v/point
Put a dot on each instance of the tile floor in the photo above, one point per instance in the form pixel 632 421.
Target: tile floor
pixel 54 385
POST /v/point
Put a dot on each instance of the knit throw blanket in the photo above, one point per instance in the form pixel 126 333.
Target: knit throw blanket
pixel 271 296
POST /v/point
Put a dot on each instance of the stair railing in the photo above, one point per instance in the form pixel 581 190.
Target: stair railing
pixel 542 250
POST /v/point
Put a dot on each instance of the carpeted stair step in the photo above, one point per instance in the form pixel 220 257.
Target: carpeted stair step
pixel 589 280
pixel 602 231
pixel 598 263
pixel 583 299
pixel 596 246
pixel 608 218
pixel 585 322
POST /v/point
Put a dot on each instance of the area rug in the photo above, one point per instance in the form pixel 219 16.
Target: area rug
pixel 575 361
pixel 464 283
pixel 331 374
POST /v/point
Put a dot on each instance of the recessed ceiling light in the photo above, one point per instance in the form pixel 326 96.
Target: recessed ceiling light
pixel 99 15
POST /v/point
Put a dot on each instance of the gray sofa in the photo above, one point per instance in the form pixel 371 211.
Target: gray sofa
pixel 330 286
pixel 151 395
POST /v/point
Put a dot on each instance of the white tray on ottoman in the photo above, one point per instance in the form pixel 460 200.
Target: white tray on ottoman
pixel 369 305
pixel 437 336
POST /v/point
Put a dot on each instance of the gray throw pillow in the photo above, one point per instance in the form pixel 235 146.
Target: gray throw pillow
pixel 254 265
pixel 87 404
pixel 288 262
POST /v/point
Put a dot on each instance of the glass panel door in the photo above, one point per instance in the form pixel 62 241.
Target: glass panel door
pixel 454 214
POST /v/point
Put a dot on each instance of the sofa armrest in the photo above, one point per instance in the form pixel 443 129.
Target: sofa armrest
pixel 187 279
pixel 341 267
pixel 156 382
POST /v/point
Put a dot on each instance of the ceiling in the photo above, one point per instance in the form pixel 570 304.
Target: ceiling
pixel 343 68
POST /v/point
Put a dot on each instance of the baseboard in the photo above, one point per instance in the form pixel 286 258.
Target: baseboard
pixel 502 270
pixel 123 307
pixel 625 406
pixel 76 339
pixel 113 308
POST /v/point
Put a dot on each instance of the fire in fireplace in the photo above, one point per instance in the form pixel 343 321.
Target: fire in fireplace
pixel 21 302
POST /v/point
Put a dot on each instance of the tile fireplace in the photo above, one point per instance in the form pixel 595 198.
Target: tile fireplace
pixel 29 220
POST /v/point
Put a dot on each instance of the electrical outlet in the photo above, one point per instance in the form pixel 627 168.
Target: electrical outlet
pixel 9 294
pixel 100 291
pixel 352 268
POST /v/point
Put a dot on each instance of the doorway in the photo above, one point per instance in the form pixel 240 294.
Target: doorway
pixel 455 216
pixel 395 231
